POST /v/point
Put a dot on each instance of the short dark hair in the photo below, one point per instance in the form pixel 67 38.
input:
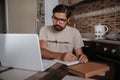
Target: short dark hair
pixel 62 8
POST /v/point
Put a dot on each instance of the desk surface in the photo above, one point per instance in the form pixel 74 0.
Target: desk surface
pixel 56 72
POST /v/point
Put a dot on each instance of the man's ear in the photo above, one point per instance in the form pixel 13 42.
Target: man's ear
pixel 68 19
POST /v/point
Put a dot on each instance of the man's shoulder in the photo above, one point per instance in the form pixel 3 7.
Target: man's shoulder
pixel 72 28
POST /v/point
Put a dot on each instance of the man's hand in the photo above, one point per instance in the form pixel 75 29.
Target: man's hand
pixel 83 58
pixel 68 57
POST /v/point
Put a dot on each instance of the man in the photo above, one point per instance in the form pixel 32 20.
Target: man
pixel 59 40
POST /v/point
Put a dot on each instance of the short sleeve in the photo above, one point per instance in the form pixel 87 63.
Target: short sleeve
pixel 42 33
pixel 78 42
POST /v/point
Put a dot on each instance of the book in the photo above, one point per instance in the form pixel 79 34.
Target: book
pixel 89 69
pixel 67 63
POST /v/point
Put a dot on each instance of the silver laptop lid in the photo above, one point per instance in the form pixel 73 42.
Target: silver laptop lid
pixel 20 51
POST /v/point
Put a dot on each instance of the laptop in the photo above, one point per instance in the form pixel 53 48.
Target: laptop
pixel 22 51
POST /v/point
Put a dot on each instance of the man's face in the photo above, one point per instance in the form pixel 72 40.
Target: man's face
pixel 59 21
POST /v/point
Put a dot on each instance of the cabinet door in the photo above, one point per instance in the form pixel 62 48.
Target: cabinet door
pixel 2 17
pixel 21 16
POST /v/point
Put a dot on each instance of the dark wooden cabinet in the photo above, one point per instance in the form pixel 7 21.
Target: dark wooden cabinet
pixel 105 53
pixel 2 17
pixel 89 50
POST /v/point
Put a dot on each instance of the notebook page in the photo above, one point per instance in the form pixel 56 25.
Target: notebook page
pixel 67 63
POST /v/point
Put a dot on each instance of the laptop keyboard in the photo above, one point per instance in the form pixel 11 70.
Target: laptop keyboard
pixel 48 63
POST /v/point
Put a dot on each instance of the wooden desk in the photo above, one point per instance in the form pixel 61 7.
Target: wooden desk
pixel 56 72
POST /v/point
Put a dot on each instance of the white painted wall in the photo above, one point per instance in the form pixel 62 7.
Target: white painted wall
pixel 49 5
pixel 21 16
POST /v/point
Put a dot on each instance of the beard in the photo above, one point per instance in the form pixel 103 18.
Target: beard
pixel 58 27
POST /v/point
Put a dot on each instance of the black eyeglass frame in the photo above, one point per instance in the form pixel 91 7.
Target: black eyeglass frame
pixel 59 19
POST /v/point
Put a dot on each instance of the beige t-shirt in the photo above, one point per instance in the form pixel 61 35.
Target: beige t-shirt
pixel 62 41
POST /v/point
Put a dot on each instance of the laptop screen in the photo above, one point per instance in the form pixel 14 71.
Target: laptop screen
pixel 20 51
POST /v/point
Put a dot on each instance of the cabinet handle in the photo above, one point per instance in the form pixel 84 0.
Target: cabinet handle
pixel 87 46
pixel 114 50
pixel 105 49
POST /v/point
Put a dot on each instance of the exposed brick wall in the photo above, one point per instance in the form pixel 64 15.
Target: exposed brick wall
pixel 40 14
pixel 111 19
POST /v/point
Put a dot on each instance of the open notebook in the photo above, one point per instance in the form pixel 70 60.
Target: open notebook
pixel 23 51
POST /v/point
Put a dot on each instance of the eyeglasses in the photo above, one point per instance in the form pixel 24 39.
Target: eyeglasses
pixel 59 19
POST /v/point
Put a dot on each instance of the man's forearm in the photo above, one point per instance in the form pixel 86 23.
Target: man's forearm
pixel 79 52
pixel 51 55
pixel 81 56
